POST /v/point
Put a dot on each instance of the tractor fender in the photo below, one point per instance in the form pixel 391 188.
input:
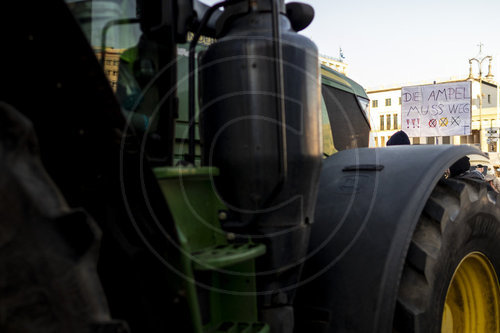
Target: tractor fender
pixel 369 203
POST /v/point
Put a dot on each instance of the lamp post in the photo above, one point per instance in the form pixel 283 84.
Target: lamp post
pixel 488 76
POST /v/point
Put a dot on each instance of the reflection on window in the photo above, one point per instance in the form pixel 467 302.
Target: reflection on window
pixel 134 61
pixel 363 103
pixel 382 124
pixel 328 145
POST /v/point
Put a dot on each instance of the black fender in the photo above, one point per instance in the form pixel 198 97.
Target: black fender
pixel 369 202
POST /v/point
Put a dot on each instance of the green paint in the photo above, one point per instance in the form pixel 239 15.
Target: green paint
pixel 336 80
pixel 227 268
pixel 194 205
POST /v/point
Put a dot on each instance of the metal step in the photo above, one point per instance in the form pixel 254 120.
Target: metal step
pixel 229 327
pixel 226 255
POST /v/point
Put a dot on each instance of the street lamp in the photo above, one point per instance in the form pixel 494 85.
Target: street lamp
pixel 488 76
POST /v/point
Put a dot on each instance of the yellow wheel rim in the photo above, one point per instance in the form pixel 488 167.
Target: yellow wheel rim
pixel 473 298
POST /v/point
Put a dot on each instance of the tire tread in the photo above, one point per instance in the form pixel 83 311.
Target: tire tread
pixel 448 200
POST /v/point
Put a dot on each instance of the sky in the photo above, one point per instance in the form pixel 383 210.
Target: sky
pixel 396 42
pixel 391 42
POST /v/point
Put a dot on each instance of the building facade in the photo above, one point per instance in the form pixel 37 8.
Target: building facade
pixel 333 63
pixel 385 117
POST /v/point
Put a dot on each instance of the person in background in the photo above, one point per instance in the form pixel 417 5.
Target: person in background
pixel 398 138
pixel 496 183
pixel 493 181
pixel 461 169
pixel 480 168
pixel 489 179
pixel 478 172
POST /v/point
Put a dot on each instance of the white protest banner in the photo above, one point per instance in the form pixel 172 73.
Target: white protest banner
pixel 437 109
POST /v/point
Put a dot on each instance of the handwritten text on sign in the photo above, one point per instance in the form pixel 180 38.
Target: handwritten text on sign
pixel 436 110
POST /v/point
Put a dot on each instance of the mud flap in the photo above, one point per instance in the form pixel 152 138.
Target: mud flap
pixel 368 206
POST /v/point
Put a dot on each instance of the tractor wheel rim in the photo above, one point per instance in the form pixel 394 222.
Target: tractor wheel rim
pixel 473 298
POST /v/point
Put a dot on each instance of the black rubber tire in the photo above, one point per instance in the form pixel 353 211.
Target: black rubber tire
pixel 48 252
pixel 460 217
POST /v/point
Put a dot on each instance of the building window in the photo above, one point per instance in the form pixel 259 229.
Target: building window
pixel 382 123
pixel 474 137
pixel 376 142
pixel 489 99
pixel 431 140
pixel 395 120
pixel 446 140
pixel 375 104
pixel 388 118
pixel 382 141
pixel 399 100
pixel 470 139
pixel 387 102
pixel 416 141
pixel 492 147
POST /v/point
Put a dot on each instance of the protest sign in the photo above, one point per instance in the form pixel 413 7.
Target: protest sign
pixel 437 109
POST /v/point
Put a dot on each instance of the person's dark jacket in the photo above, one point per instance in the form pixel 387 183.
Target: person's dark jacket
pixel 398 138
pixel 459 167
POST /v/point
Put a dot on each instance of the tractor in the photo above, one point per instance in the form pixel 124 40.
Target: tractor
pixel 170 166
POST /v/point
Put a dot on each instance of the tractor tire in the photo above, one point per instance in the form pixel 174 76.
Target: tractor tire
pixel 48 252
pixel 450 278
